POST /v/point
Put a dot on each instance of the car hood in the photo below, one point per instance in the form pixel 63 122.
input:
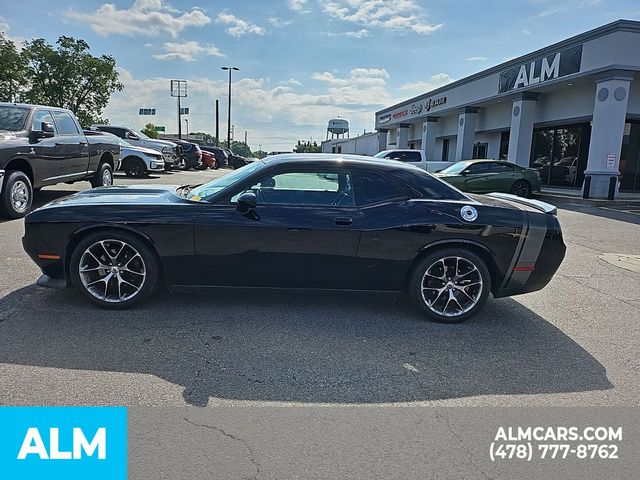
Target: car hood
pixel 120 194
pixel 159 143
pixel 134 149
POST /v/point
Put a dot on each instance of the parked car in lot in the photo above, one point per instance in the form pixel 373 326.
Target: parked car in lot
pixel 300 221
pixel 134 161
pixel 236 161
pixel 191 155
pixel 220 154
pixel 170 151
pixel 42 146
pixel 208 159
pixel 485 176
pixel 416 158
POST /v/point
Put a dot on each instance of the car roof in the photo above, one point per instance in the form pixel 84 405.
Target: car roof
pixel 338 159
pixel 31 105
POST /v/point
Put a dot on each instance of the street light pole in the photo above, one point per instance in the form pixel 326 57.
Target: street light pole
pixel 229 110
pixel 186 120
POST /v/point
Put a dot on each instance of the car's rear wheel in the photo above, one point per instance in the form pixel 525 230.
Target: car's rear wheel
pixel 450 285
pixel 134 167
pixel 521 188
pixel 16 196
pixel 114 269
pixel 103 176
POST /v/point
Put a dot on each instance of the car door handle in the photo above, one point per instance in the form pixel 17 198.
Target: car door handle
pixel 343 220
pixel 82 143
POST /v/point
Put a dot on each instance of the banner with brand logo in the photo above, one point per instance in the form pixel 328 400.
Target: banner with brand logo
pixel 552 66
pixel 63 442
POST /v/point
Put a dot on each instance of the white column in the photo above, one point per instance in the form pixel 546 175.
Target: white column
pixel 402 136
pixel 429 137
pixel 523 113
pixel 466 133
pixel 382 139
pixel 607 130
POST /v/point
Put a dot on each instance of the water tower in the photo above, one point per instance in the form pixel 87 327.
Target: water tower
pixel 338 127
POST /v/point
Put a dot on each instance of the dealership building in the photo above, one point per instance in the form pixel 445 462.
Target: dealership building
pixel 570 110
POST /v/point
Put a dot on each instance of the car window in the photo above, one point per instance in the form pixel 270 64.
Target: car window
pixel 13 119
pixel 39 117
pixel 65 123
pixel 305 188
pixel 500 167
pixel 412 157
pixel 118 132
pixel 375 189
pixel 477 168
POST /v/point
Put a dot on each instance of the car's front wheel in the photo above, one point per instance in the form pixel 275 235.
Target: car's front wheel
pixel 450 285
pixel 114 269
pixel 134 167
pixel 16 196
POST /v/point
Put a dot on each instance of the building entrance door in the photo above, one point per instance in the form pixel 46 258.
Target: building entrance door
pixel 630 158
pixel 560 155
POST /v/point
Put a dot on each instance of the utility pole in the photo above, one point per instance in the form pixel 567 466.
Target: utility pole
pixel 179 89
pixel 217 125
pixel 245 137
pixel 229 110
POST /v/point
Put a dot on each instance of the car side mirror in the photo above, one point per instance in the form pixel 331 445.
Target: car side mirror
pixel 131 136
pixel 464 173
pixel 247 201
pixel 46 131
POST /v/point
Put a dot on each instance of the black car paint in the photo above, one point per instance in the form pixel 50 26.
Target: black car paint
pixel 61 158
pixel 209 243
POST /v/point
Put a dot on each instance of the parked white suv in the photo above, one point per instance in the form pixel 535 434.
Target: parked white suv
pixel 414 157
pixel 170 151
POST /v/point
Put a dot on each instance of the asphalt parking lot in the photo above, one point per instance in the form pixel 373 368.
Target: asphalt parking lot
pixel 573 343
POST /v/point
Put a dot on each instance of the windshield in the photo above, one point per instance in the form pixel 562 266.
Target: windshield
pixel 455 168
pixel 213 187
pixel 139 134
pixel 381 154
pixel 12 119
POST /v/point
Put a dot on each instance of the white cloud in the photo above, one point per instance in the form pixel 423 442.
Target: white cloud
pixel 187 51
pixel 436 81
pixel 475 59
pixel 237 26
pixel 279 22
pixel 404 15
pixel 299 6
pixel 4 27
pixel 275 116
pixel 144 17
pixel 363 32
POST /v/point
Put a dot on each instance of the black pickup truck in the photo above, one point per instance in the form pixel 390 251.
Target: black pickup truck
pixel 42 146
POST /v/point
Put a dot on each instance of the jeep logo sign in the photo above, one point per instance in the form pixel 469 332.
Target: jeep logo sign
pixel 552 66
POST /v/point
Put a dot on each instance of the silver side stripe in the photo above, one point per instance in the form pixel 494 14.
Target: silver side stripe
pixel 536 233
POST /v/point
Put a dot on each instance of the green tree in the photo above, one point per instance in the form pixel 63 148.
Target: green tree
pixel 69 76
pixel 307 147
pixel 150 130
pixel 13 70
pixel 259 154
pixel 240 148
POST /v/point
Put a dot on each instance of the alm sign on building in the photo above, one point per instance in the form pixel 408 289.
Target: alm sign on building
pixel 556 65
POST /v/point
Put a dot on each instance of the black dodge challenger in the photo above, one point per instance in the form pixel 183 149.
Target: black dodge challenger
pixel 300 221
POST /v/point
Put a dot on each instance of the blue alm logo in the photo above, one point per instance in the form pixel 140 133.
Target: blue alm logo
pixel 63 442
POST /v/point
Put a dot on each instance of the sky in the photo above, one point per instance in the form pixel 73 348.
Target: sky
pixel 302 62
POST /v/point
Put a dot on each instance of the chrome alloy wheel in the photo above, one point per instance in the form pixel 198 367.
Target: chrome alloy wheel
pixel 112 271
pixel 107 177
pixel 20 196
pixel 451 286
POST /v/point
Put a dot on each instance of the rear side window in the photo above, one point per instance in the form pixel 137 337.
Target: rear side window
pixel 118 132
pixel 500 167
pixel 423 185
pixel 65 124
pixel 375 189
pixel 412 157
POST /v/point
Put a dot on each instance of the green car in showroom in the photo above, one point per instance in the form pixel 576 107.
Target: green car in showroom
pixel 486 176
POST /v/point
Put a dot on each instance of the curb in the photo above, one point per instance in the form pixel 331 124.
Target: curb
pixel 555 199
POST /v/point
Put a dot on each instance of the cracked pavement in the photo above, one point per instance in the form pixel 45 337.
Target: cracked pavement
pixel 214 357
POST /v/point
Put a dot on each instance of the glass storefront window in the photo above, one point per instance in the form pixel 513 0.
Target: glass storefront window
pixel 560 155
pixel 630 158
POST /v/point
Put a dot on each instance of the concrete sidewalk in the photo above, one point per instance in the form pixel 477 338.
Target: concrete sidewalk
pixel 557 196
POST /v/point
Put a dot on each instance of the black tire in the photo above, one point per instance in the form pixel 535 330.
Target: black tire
pixel 134 167
pixel 99 178
pixel 521 188
pixel 16 196
pixel 113 238
pixel 437 293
